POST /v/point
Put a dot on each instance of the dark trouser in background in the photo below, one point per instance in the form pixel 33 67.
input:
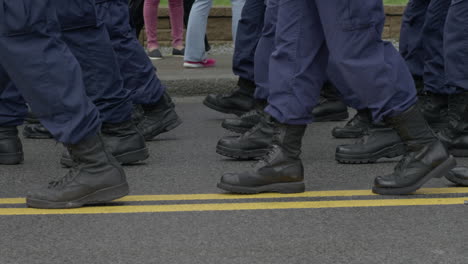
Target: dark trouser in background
pixel 136 15
pixel 137 71
pixel 422 42
pixel 37 65
pixel 249 32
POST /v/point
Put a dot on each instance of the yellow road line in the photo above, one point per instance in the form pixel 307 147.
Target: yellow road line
pixel 194 197
pixel 234 206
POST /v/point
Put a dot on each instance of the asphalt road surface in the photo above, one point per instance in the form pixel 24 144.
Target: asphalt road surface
pixel 175 213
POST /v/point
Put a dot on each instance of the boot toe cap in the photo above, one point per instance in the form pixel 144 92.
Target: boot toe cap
pixel 460 172
pixel 384 182
pixel 345 149
pixel 211 98
pixel 231 179
pixel 228 142
pixel 232 122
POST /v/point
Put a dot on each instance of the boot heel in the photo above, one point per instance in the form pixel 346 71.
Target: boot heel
pixel 173 125
pixel 108 194
pixel 133 157
pixel 444 168
pixel 333 117
pixel 459 152
pixel 294 187
pixel 11 159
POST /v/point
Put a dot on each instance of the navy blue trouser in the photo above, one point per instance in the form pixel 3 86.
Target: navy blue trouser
pixel 265 47
pixel 138 72
pixel 248 34
pixel 456 46
pixel 89 41
pixel 38 64
pixel 343 38
pixel 421 42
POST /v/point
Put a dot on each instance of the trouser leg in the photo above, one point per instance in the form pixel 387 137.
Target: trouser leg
pixel 297 67
pixel 411 43
pixel 248 34
pixel 135 67
pixel 44 70
pixel 89 41
pixel 265 47
pixel 432 38
pixel 455 47
pixel 380 77
pixel 13 108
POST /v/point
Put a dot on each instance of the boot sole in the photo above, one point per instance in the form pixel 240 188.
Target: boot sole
pixel 388 152
pixel 333 117
pixel 133 156
pixel 34 136
pixel 235 129
pixel 11 158
pixel 241 154
pixel 223 110
pixel 440 171
pixel 459 152
pixel 451 177
pixel 290 187
pixel 347 134
pixel 124 159
pixel 99 196
pixel 168 126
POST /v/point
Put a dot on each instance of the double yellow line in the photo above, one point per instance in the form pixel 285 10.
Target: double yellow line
pixel 232 206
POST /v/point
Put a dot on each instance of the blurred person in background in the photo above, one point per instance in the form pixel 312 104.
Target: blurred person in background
pixel 195 55
pixel 176 14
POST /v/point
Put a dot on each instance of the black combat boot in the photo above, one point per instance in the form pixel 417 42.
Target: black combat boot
pixel 159 118
pixel 123 140
pixel 330 106
pixel 138 114
pixel 455 136
pixel 31 118
pixel 328 110
pixel 380 143
pixel 11 149
pixel 254 143
pixel 246 121
pixel 36 131
pixel 356 127
pixel 434 107
pixel 237 102
pixel 458 175
pixel 281 170
pixel 426 156
pixel 96 178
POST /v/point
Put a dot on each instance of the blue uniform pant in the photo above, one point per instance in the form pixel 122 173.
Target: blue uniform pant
pixel 249 31
pixel 422 44
pixel 38 64
pixel 139 74
pixel 265 47
pixel 87 37
pixel 456 46
pixel 343 38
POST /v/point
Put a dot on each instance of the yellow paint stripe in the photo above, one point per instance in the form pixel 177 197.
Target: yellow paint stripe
pixel 194 197
pixel 234 206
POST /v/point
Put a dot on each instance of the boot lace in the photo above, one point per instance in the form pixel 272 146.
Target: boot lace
pixel 403 163
pixel 72 172
pixel 249 114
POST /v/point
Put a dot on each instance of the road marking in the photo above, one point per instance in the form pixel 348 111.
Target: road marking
pixel 313 194
pixel 233 206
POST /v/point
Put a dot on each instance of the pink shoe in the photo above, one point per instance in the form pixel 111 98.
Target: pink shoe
pixel 200 64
